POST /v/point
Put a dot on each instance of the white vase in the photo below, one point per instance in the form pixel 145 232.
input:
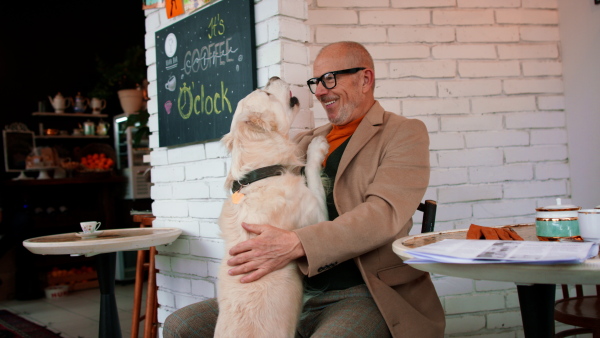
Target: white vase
pixel 132 100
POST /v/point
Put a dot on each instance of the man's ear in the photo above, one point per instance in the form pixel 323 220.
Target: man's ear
pixel 368 80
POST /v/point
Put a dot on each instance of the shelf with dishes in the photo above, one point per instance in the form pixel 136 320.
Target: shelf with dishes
pixel 72 136
pixel 69 114
pixel 86 130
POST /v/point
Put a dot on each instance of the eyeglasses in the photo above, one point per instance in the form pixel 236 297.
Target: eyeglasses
pixel 328 79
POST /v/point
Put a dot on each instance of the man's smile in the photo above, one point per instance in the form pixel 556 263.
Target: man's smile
pixel 328 103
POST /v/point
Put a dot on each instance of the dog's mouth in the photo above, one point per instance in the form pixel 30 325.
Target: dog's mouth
pixel 294 101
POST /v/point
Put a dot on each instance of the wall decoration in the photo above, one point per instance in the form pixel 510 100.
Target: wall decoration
pixel 149 4
pixel 205 64
pixel 174 8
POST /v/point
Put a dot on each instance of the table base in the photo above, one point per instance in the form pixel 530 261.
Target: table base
pixel 110 327
pixel 537 309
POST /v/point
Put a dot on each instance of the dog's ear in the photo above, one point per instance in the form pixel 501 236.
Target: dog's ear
pixel 227 141
pixel 258 124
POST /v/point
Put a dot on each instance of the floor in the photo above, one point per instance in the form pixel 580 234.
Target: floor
pixel 76 314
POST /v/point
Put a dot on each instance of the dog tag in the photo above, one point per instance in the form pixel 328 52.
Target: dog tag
pixel 237 197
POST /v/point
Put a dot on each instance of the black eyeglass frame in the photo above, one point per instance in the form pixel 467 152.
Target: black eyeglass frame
pixel 315 80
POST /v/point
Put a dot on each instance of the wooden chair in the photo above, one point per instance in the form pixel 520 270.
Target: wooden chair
pixel 582 311
pixel 429 208
pixel 145 264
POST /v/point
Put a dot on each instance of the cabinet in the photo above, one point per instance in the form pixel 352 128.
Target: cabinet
pixel 130 159
pixel 64 133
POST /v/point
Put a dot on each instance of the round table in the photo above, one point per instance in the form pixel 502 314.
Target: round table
pixel 536 284
pixel 584 273
pixel 105 246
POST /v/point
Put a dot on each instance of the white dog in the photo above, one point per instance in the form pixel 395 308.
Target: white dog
pixel 267 189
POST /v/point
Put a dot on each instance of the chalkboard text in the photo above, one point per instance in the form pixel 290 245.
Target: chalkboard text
pixel 215 54
pixel 187 103
pixel 216 26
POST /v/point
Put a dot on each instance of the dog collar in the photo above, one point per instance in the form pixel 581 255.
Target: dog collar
pixel 257 175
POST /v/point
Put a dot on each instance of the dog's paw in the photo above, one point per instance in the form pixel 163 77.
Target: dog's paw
pixel 318 147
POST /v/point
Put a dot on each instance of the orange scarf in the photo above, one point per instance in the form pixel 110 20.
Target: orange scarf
pixel 339 134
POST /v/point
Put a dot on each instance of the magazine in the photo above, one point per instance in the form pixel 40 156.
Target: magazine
pixel 468 251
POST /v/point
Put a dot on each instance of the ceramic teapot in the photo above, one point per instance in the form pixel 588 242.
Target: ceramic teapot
pixel 60 103
pixel 97 105
pixel 102 128
pixel 80 103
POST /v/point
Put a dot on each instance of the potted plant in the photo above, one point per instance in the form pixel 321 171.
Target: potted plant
pixel 127 78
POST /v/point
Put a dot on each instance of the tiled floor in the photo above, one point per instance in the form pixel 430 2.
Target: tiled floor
pixel 76 314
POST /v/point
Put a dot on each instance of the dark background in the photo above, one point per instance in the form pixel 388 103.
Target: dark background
pixel 48 47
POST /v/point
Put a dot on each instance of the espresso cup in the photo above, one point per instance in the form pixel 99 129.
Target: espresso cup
pixel 589 224
pixel 90 226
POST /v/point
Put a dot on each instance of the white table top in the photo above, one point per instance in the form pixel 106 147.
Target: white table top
pixel 584 273
pixel 128 239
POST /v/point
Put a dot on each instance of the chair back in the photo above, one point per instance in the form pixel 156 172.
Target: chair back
pixel 580 311
pixel 429 208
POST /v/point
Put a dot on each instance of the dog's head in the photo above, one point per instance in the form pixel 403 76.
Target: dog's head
pixel 263 112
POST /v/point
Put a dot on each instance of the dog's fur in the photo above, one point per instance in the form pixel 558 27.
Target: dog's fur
pixel 270 306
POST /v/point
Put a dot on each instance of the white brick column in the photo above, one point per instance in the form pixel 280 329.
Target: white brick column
pixel 188 181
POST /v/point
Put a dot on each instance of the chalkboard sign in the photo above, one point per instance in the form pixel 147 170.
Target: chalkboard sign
pixel 205 64
pixel 17 146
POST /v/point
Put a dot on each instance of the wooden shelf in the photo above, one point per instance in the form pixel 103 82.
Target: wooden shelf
pixel 70 114
pixel 72 136
pixel 65 181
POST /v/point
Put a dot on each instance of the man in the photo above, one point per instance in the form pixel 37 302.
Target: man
pixel 379 165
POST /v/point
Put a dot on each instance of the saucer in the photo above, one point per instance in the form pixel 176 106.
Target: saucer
pixel 89 235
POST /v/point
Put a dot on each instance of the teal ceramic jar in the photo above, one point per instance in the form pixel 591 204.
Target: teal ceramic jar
pixel 557 222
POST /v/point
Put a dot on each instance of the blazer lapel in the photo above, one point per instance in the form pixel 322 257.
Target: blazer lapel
pixel 365 131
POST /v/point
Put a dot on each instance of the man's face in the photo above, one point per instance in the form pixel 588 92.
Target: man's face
pixel 342 103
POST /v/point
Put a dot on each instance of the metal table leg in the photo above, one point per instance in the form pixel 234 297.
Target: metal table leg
pixel 110 327
pixel 537 309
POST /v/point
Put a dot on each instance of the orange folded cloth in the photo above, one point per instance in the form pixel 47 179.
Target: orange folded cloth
pixel 479 232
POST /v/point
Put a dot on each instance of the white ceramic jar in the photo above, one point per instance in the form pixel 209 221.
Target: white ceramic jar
pixel 556 222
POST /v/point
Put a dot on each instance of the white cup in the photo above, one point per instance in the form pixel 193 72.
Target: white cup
pixel 90 226
pixel 589 224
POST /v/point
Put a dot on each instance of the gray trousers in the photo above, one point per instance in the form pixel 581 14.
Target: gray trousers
pixel 339 313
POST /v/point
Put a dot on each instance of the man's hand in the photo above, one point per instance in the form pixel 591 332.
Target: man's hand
pixel 272 249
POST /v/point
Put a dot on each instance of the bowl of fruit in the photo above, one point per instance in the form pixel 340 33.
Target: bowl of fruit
pixel 97 160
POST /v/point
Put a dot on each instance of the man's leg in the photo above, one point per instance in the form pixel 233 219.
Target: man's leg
pixel 343 313
pixel 195 320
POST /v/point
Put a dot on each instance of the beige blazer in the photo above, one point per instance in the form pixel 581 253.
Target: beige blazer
pixel 382 177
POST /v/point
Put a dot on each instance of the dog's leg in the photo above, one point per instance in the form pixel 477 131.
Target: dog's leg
pixel 317 149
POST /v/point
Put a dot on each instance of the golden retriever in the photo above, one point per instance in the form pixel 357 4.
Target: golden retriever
pixel 270 306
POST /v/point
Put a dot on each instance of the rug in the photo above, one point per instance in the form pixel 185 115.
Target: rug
pixel 13 326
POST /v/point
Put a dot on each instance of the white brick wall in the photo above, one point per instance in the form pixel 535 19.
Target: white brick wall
pixel 485 76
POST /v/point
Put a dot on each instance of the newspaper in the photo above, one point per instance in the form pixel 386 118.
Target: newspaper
pixel 468 251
